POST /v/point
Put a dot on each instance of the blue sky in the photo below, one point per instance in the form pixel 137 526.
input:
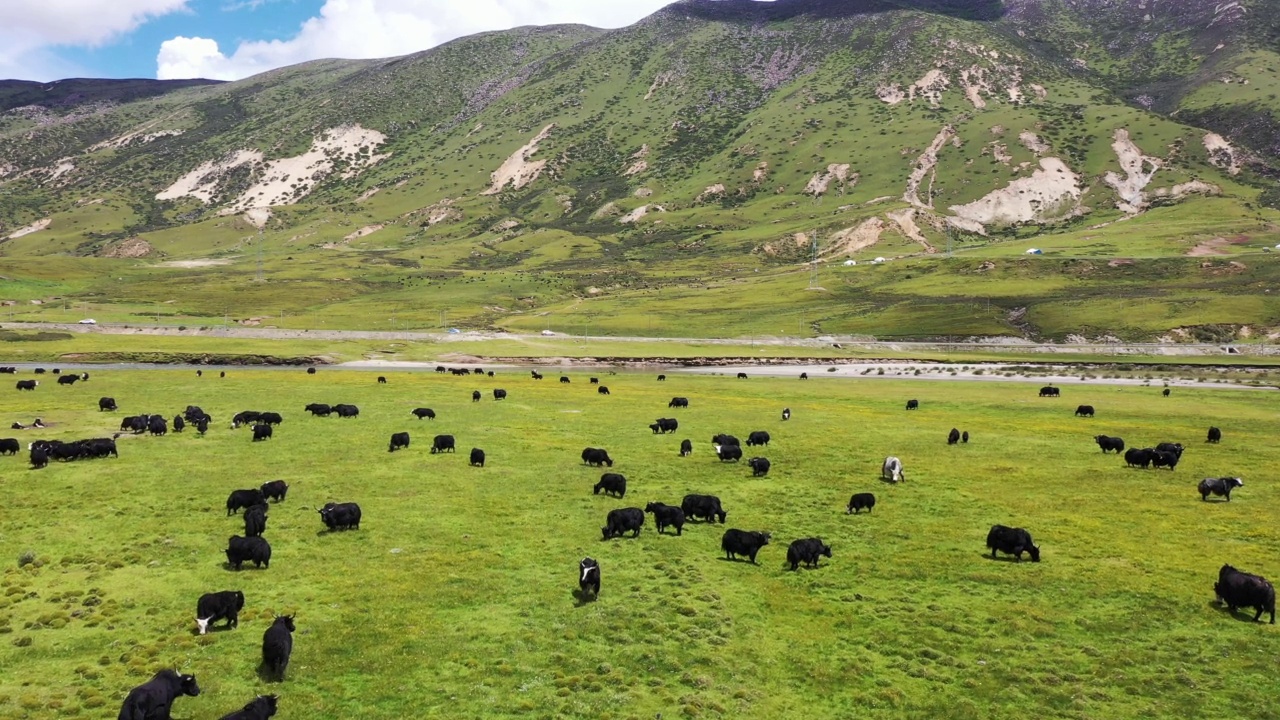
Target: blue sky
pixel 230 39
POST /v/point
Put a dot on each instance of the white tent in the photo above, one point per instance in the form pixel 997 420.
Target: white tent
pixel 850 263
pixel 1035 251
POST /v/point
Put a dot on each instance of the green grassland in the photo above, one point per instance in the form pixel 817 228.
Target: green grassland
pixel 455 598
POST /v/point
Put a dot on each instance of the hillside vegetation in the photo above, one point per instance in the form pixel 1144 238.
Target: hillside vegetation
pixel 677 177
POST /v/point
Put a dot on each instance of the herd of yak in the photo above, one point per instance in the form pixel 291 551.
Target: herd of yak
pixel 153 699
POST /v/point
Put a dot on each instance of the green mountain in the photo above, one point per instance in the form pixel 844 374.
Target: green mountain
pixel 679 175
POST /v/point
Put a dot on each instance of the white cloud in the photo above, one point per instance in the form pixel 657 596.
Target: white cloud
pixel 385 28
pixel 28 28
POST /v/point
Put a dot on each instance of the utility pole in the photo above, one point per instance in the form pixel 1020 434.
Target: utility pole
pixel 813 264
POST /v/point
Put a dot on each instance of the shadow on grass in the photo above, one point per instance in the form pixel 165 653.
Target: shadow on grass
pixel 583 597
pixel 1240 614
pixel 265 675
pixel 1005 558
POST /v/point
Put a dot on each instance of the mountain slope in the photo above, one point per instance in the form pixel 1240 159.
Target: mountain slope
pixel 703 152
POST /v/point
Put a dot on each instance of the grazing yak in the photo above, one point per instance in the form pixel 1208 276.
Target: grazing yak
pixel 891 470
pixel 178 424
pixel 662 378
pixel 728 453
pixel 666 516
pixel 621 521
pixel 340 516
pixel 1215 435
pixel 255 521
pixel 564 380
pixel 346 411
pixel 759 466
pixel 1049 391
pixel 274 490
pixel 589 577
pixel 1084 411
pixel 611 484
pixel 786 413
pixel 1166 392
pixel 1109 444
pixel 603 390
pixel 804 376
pixel 808 551
pixel 913 404
pixel 427 413
pixel 594 380
pixel 477 457
pixel 535 374
pixel 758 437
pixel 859 502
pixel 953 437
pixel 27 384
pixel 499 394
pixel 678 402
pixel 246 499
pixel 703 507
pixel 723 439
pixel 596 457
pixel 1221 487
pixel 742 376
pixel 261 432
pixel 1135 457
pixel 277 646
pixel 68 379
pixel 1012 541
pixel 9 446
pixel 686 448
pixel 39 458
pixel 665 425
pixel 157 426
pixel 1160 458
pixel 964 437
pixel 225 605
pixel 475 396
pixel 153 700
pixel 398 440
pixel 1237 589
pixel 262 707
pixel 382 380
pixel 442 443
pixel 106 403
pixel 743 542
pixel 319 410
pixel 248 549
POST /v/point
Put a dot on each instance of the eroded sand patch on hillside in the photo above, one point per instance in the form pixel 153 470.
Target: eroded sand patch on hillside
pixel 288 180
pixel 34 227
pixel 202 183
pixel 926 164
pixel 518 170
pixel 1139 170
pixel 1052 192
